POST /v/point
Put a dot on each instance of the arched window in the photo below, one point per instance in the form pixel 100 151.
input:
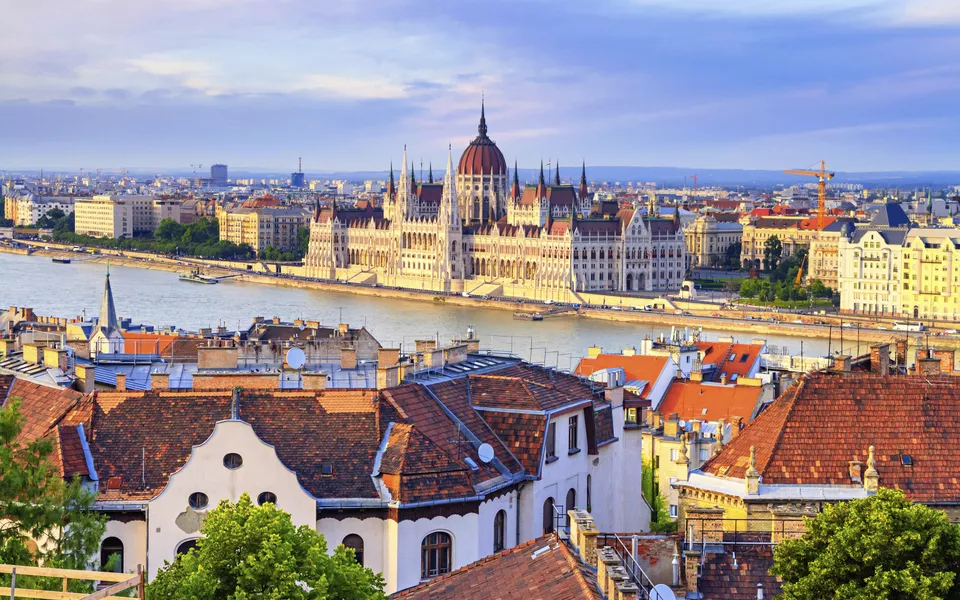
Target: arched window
pixel 110 547
pixel 548 516
pixel 570 505
pixel 356 542
pixel 186 546
pixel 436 552
pixel 499 530
pixel 589 503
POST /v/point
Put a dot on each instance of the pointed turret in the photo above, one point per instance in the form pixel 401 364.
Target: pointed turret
pixel 413 177
pixel 583 183
pixel 316 210
pixel 392 186
pixel 449 206
pixel 482 129
pixel 108 314
pixel 541 184
pixel 556 179
pixel 515 189
pixel 431 172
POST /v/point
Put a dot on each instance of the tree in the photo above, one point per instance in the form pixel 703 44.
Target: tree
pixel 168 230
pixel 256 552
pixel 732 255
pixel 750 288
pixel 50 218
pixel 772 252
pixel 35 503
pixel 660 520
pixel 4 222
pixel 303 242
pixel 883 546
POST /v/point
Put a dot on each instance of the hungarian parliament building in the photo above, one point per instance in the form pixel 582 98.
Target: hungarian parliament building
pixel 479 232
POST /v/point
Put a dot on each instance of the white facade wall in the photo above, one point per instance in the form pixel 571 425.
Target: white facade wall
pixel 171 519
pixel 462 530
pixel 372 530
pixel 133 535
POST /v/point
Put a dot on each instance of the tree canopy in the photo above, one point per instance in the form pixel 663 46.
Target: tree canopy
pixel 252 551
pixel 35 503
pixel 883 546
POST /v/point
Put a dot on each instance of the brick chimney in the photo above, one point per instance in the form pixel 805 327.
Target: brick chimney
pixel 736 426
pixel 121 382
pixel 842 364
pixel 85 382
pixel 314 381
pixel 671 427
pixel 947 359
pixel 928 366
pixel 388 356
pixel 880 359
pixel 160 381
pixel 901 346
pixel 348 358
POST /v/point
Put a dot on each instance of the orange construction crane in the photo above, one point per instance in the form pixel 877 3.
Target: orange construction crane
pixel 800 270
pixel 821 188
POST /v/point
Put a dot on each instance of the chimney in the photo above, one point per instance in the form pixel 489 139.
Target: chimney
pixel 928 366
pixel 657 420
pixel 880 359
pixel 841 364
pixel 425 345
pixel 388 377
pixel 594 351
pixel 855 471
pixel 902 351
pixel 348 358
pixel 121 382
pixel 721 429
pixel 343 329
pixel 631 351
pixel 671 427
pixel 276 320
pixel 314 381
pixel 947 360
pixel 696 426
pixel 723 378
pixel 160 381
pixel 312 324
pixel 85 382
pixel 388 356
pixel 736 426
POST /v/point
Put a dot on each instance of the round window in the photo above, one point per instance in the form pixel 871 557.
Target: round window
pixel 232 461
pixel 265 497
pixel 198 500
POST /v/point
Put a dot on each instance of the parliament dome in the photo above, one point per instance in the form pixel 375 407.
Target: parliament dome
pixel 482 157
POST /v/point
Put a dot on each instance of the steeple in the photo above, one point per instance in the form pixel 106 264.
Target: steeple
pixel 583 183
pixel 482 129
pixel 316 209
pixel 413 178
pixel 541 184
pixel 515 190
pixel 431 172
pixel 391 187
pixel 108 314
pixel 449 206
pixel 556 180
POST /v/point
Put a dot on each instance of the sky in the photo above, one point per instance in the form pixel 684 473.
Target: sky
pixel 868 85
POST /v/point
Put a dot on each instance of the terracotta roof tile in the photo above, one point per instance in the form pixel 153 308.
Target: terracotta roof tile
pixel 809 435
pixel 70 452
pixel 522 434
pixel 637 367
pixel 720 578
pixel 710 401
pixel 515 574
pixel 42 406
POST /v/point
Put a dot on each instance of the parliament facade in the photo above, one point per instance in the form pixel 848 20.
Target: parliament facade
pixel 478 232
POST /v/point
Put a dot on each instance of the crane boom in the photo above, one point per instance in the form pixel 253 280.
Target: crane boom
pixel 800 270
pixel 823 175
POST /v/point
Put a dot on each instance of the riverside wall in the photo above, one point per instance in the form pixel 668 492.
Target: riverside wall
pixel 698 315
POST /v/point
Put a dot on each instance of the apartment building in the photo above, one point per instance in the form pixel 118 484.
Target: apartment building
pixel 260 227
pixel 123 216
pixel 25 208
pixel 708 238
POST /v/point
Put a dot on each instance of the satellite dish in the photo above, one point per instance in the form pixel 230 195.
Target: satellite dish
pixel 662 592
pixel 302 326
pixel 296 358
pixel 485 453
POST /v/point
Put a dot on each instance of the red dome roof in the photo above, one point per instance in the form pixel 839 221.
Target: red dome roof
pixel 482 157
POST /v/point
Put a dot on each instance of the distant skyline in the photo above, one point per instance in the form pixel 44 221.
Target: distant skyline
pixel 868 85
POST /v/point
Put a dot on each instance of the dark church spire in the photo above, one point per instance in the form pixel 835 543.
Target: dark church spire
pixel 556 180
pixel 515 190
pixel 431 172
pixel 391 187
pixel 482 129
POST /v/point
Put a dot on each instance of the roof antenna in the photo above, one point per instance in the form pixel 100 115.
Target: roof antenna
pixel 143 466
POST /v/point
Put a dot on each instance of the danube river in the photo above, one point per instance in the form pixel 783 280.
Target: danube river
pixel 159 298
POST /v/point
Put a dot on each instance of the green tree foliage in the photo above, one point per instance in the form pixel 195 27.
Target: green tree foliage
pixel 36 503
pixel 772 253
pixel 200 238
pixel 256 552
pixel 731 256
pixel 660 520
pixel 878 547
pixel 4 222
pixel 50 218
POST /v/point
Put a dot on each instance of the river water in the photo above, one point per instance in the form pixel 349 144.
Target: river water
pixel 159 298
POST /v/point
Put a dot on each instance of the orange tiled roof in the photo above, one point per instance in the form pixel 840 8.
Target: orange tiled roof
pixel 41 406
pixel 709 401
pixel 637 367
pixel 729 358
pixel 514 574
pixel 809 435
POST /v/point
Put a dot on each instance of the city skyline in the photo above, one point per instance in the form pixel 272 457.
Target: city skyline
pixel 866 84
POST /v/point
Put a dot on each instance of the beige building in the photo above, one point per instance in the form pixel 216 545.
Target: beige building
pixel 122 216
pixel 274 226
pixel 707 240
pixel 25 209
pixel 470 235
pixel 794 233
pixel 823 262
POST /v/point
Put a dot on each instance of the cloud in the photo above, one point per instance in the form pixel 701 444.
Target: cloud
pixel 159 65
pixel 353 87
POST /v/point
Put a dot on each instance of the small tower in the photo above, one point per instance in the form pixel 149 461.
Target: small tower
pixel 556 179
pixel 871 478
pixel 752 475
pixel 582 195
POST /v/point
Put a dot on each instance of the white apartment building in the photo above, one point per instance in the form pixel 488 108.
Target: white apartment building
pixel 870 263
pixel 26 208
pixel 123 216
